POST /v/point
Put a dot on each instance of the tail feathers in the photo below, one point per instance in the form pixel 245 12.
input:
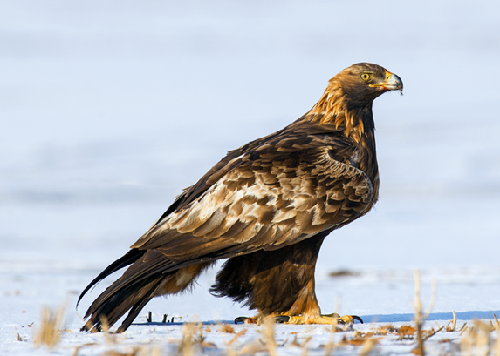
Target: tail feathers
pixel 127 259
pixel 131 291
pixel 136 309
pixel 112 305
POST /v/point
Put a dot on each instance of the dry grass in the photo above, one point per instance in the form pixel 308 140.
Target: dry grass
pixel 368 346
pixel 225 328
pixel 236 337
pixel 365 340
pixel 104 324
pixel 229 348
pixel 295 342
pixel 268 334
pixel 498 340
pixel 330 345
pixel 265 344
pixel 48 332
pixel 419 318
pixel 475 339
pixel 110 336
pixel 385 329
pixel 145 350
pixel 192 339
pixel 134 352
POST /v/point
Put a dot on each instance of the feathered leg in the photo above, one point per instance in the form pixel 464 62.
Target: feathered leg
pixel 274 282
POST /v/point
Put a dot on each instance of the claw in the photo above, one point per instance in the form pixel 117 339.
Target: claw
pixel 245 320
pixel 349 319
pixel 240 319
pixel 282 319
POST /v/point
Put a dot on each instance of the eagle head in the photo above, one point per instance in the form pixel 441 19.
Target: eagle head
pixel 363 82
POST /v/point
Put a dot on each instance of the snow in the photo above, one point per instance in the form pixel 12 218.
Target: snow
pixel 109 109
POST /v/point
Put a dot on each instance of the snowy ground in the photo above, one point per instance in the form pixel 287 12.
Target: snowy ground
pixel 109 109
pixel 380 296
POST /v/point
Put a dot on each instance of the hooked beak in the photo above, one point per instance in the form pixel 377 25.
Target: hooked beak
pixel 392 82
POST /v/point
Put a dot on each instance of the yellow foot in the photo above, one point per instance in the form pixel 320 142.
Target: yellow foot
pixel 345 322
pixel 324 319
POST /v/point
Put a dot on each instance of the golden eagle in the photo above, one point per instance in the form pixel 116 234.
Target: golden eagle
pixel 266 207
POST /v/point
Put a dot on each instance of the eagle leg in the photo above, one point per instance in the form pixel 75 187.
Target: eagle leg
pixel 279 282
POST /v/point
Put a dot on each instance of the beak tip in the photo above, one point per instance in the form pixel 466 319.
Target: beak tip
pixel 395 83
pixel 399 83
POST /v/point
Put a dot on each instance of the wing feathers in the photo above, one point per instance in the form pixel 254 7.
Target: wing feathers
pixel 267 199
pixel 212 223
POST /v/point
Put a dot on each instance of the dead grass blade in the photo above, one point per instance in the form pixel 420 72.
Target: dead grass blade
pixel 238 335
pixel 419 318
pixel 463 328
pixel 104 323
pixel 482 338
pixel 330 345
pixel 110 337
pixel 269 336
pixel 418 315
pixel 498 339
pixel 192 339
pixel 368 346
pixel 134 352
pixel 76 351
pixel 453 322
pixel 477 338
pixel 48 333
pixel 226 328
pixel 251 349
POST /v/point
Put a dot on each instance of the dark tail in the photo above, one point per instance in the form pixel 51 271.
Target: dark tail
pixel 116 300
pixel 129 258
pixel 148 276
pixel 131 291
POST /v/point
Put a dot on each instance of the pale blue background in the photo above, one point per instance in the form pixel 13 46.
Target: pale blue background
pixel 109 108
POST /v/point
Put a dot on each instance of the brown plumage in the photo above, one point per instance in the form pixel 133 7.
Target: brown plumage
pixel 266 208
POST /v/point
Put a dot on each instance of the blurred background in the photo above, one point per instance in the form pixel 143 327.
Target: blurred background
pixel 109 108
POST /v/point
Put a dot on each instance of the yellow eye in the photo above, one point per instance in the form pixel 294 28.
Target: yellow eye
pixel 366 76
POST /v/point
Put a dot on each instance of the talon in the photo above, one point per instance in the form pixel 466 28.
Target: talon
pixel 282 319
pixel 240 319
pixel 349 319
pixel 355 317
pixel 245 320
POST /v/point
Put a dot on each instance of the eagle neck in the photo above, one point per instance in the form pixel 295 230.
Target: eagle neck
pixel 355 120
pixel 334 107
